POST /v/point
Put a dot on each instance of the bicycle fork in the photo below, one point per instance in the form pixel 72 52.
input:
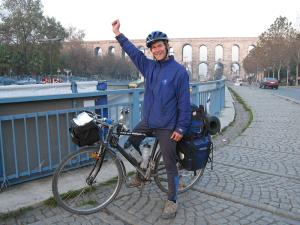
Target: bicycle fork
pixel 98 157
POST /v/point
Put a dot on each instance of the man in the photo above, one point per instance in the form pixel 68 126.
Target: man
pixel 166 109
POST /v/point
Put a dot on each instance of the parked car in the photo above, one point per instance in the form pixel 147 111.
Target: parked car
pixel 269 82
pixel 238 82
pixel 135 84
pixel 46 80
pixel 132 85
pixel 27 81
pixel 7 81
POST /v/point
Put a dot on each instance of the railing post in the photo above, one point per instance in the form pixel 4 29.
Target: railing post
pixel 102 100
pixel 74 87
pixel 135 107
pixel 223 94
pixel 195 95
pixel 2 163
pixel 219 94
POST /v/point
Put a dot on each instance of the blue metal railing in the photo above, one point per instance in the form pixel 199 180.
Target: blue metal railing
pixel 33 144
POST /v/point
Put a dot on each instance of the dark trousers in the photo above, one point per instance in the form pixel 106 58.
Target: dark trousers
pixel 168 150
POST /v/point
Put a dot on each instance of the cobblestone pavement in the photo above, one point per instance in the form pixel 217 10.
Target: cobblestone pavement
pixel 256 177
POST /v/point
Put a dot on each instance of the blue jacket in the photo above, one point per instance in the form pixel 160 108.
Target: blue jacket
pixel 167 96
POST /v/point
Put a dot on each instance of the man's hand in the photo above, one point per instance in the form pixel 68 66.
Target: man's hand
pixel 116 27
pixel 176 136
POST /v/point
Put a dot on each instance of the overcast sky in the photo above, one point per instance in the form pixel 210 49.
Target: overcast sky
pixel 177 18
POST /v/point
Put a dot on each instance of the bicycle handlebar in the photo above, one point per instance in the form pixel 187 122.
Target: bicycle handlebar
pixel 121 129
pixel 103 121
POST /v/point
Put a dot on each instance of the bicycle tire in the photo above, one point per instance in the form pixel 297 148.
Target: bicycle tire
pixel 186 178
pixel 71 190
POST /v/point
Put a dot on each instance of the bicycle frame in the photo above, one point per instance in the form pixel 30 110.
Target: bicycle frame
pixel 111 139
pixel 145 173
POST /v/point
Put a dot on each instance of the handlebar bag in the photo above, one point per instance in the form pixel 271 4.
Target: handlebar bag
pixel 86 134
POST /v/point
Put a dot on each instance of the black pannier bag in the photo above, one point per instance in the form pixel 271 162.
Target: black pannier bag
pixel 199 123
pixel 194 154
pixel 86 134
pixel 194 149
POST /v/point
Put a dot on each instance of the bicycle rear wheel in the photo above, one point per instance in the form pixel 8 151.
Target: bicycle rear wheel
pixel 73 188
pixel 186 178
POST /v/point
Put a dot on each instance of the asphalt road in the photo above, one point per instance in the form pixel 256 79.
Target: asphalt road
pixel 290 92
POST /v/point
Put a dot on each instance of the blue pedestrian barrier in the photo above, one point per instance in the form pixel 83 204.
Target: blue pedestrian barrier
pixel 34 134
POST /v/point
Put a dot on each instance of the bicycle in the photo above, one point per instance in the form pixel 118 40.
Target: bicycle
pixel 90 178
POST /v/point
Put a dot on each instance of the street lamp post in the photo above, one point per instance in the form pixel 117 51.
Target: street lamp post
pixel 51 41
pixel 68 72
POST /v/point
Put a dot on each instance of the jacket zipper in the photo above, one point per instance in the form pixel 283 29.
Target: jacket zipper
pixel 152 92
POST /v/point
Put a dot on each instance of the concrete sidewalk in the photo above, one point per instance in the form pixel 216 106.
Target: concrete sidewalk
pixel 34 192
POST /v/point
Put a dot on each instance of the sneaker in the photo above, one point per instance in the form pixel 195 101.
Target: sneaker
pixel 135 181
pixel 170 210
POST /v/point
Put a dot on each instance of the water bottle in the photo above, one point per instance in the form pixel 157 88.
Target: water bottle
pixel 135 154
pixel 145 155
pixel 132 151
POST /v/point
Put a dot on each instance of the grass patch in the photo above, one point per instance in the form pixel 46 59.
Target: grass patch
pixel 110 181
pixel 224 128
pixel 50 202
pixel 14 214
pixel 68 195
pixel 74 193
pixel 245 106
pixel 129 174
pixel 229 125
pixel 88 202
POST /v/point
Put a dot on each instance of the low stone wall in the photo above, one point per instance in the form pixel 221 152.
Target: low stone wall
pixel 11 91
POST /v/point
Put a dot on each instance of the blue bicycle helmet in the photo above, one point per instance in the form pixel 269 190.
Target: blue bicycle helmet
pixel 156 36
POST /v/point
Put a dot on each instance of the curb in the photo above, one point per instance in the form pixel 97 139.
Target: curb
pixel 287 98
pixel 228 112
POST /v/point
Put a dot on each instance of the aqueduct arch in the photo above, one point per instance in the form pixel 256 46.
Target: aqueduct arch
pixel 204 53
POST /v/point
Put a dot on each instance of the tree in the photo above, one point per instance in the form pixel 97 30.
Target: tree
pixel 274 48
pixel 279 37
pixel 22 27
pixel 295 46
pixel 75 56
pixel 113 67
pixel 78 59
pixel 250 63
pixel 82 61
pixel 74 34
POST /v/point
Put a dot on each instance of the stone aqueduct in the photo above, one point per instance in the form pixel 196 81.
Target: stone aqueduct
pixel 201 56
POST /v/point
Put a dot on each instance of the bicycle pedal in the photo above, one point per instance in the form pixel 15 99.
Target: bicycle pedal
pixel 128 185
pixel 141 187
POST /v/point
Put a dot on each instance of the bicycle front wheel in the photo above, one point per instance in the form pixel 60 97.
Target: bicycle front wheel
pixel 186 178
pixel 84 182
